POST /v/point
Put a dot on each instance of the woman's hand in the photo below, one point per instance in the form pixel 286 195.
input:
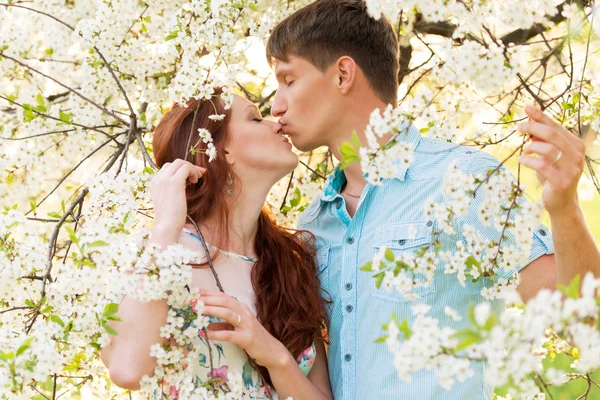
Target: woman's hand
pixel 245 330
pixel 168 195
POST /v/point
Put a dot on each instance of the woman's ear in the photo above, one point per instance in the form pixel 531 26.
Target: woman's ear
pixel 346 73
pixel 229 157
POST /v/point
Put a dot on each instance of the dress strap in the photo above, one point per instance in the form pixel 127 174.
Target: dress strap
pixel 235 255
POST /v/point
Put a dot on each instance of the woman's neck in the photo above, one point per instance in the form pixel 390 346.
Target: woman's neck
pixel 244 211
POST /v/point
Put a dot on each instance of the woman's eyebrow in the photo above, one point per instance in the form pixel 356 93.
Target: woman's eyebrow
pixel 254 107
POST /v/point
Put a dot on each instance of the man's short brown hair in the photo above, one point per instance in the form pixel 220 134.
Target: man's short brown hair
pixel 325 30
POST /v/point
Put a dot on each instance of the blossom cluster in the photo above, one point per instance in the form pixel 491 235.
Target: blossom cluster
pixel 84 83
pixel 512 344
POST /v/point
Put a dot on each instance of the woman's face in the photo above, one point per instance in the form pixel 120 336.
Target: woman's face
pixel 256 147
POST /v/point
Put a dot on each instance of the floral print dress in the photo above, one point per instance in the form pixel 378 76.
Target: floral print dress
pixel 228 358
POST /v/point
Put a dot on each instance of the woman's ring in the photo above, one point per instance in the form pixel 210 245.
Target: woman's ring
pixel 238 320
pixel 558 156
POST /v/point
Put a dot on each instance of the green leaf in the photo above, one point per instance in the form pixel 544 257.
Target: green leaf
pixel 54 214
pixel 171 36
pixel 65 117
pixel 24 346
pixel 379 278
pixel 148 170
pixel 96 346
pixel 466 338
pixel 72 234
pixel 490 323
pixel 144 28
pixel 367 267
pixel 147 18
pixel 347 160
pixel 110 330
pixel 405 329
pixel 29 303
pixel 347 149
pixel 472 261
pixel 56 319
pixel 97 243
pixel 381 339
pixel 572 291
pixel 253 7
pixel 471 314
pixel 356 140
pixel 33 206
pixel 49 51
pixel 111 308
pixel 40 100
pixel 389 255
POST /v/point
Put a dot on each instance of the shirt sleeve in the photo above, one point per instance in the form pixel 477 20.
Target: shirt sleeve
pixel 541 238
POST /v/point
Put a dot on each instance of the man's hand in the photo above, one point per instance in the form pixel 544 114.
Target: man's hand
pixel 559 165
pixel 559 162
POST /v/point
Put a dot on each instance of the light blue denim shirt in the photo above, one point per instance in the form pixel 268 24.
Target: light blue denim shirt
pixel 359 368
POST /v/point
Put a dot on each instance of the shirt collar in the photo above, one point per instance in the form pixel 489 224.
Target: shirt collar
pixel 408 133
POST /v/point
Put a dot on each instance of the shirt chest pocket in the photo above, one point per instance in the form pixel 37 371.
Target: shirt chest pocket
pixel 402 238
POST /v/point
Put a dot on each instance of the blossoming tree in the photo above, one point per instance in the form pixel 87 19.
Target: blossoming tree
pixel 83 84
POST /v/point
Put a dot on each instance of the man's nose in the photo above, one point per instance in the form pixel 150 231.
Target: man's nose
pixel 279 107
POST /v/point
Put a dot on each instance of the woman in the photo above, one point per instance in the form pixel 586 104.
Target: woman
pixel 273 312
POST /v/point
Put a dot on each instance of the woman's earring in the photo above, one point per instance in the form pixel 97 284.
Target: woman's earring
pixel 229 183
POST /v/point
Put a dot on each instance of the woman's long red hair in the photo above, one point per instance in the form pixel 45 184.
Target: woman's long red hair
pixel 284 278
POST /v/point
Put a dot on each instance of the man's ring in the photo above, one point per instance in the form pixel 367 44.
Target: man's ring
pixel 558 156
pixel 238 320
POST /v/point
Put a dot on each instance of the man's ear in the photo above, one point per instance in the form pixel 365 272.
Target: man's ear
pixel 345 73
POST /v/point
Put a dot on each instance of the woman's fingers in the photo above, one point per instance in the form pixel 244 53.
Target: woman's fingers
pixel 223 301
pixel 207 292
pixel 224 313
pixel 170 169
pixel 188 171
pixel 224 336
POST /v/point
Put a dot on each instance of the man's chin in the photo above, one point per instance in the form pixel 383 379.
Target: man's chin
pixel 304 146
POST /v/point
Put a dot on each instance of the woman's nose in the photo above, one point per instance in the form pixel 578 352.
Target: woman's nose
pixel 275 126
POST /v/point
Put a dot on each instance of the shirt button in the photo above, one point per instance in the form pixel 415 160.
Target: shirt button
pixel 349 308
pixel 350 240
pixel 348 286
pixel 543 232
pixel 338 205
pixel 429 223
pixel 348 357
pixel 401 242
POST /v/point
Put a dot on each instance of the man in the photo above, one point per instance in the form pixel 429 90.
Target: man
pixel 335 65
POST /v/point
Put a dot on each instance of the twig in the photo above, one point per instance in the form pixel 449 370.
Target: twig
pixel 92 102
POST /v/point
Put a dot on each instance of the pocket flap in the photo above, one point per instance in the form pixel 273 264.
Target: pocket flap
pixel 399 236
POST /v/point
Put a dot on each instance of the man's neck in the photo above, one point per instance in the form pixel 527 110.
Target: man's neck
pixel 355 119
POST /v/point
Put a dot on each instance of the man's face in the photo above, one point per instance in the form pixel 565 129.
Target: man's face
pixel 305 102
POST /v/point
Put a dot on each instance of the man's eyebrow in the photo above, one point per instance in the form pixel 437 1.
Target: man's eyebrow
pixel 281 71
